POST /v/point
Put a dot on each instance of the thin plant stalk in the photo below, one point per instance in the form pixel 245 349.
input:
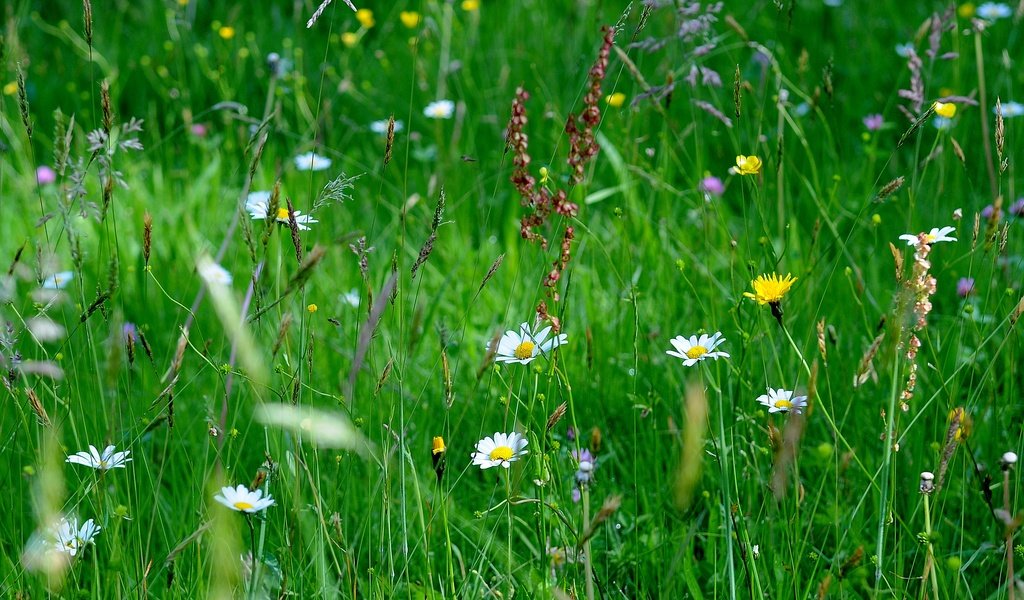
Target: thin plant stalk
pixel 979 62
pixel 931 550
pixel 588 564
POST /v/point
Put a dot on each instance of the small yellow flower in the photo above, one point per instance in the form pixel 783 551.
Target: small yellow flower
pixel 410 18
pixel 945 109
pixel 349 39
pixel 470 5
pixel 545 175
pixel 615 100
pixel 437 456
pixel 966 10
pixel 312 308
pixel 769 289
pixel 226 32
pixel 964 425
pixel 365 17
pixel 11 88
pixel 748 165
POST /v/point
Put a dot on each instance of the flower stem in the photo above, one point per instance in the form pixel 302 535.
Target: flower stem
pixel 931 551
pixel 252 554
pixel 588 565
pixel 508 507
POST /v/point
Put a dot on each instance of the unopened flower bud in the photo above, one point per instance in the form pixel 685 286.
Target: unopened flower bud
pixel 927 482
pixel 1008 460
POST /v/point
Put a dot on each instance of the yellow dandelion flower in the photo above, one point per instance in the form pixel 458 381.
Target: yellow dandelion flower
pixel 365 17
pixel 410 18
pixel 615 100
pixel 966 10
pixel 312 308
pixel 748 165
pixel 349 39
pixel 470 5
pixel 769 289
pixel 226 32
pixel 945 109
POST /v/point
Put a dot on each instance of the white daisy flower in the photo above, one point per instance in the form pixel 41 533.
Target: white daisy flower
pixel 311 161
pixel 212 273
pixel 381 127
pixel 241 499
pixel 695 349
pixel 781 400
pixel 499 451
pixel 257 204
pixel 1011 109
pixel 69 538
pixel 104 461
pixel 934 236
pixel 526 345
pixel 440 109
pixel 993 11
pixel 58 281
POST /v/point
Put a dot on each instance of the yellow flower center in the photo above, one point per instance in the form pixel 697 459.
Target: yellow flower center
pixel 103 464
pixel 501 453
pixel 780 403
pixel 696 352
pixel 242 505
pixel 929 238
pixel 282 213
pixel 524 350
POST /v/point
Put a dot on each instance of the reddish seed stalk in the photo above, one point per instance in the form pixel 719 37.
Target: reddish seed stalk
pixel 542 201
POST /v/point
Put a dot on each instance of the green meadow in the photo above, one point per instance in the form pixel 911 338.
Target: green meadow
pixel 507 298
